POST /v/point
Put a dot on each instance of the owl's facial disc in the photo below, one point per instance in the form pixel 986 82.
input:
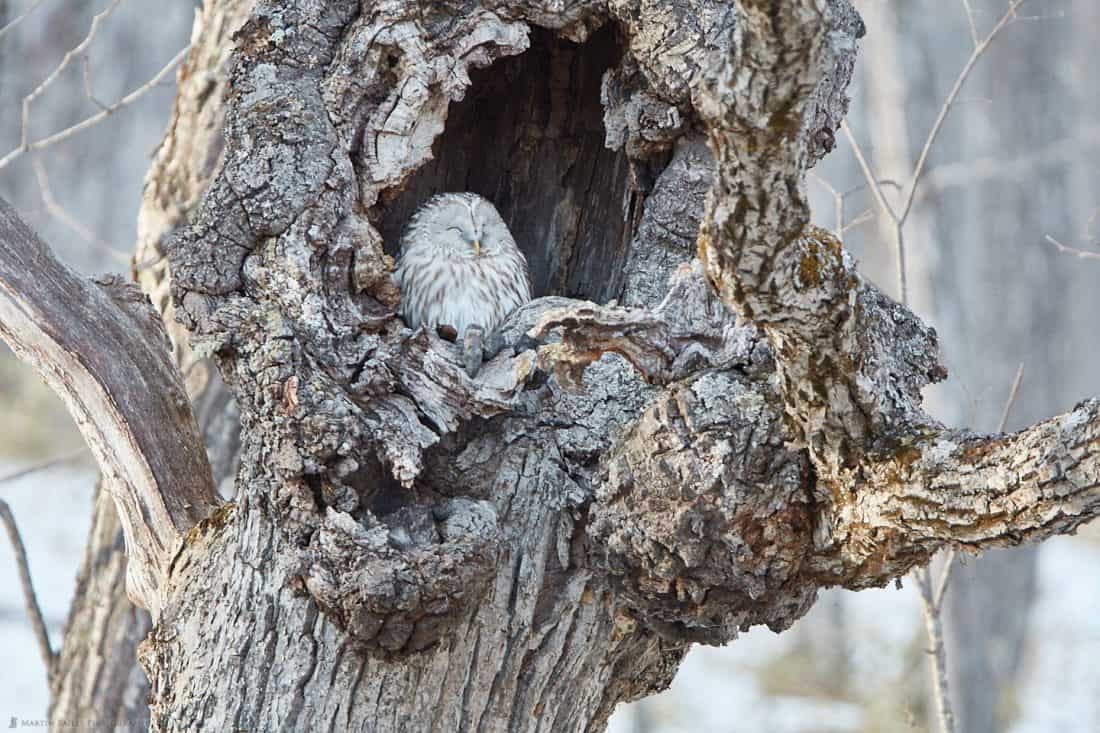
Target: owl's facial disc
pixel 465 240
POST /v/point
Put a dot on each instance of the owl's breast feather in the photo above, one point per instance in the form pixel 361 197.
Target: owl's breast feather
pixel 480 292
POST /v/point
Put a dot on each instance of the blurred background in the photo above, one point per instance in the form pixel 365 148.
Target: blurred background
pixel 1014 162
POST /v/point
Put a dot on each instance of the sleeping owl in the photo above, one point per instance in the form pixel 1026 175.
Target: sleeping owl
pixel 459 266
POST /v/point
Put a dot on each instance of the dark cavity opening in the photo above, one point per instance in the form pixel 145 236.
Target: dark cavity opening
pixel 529 137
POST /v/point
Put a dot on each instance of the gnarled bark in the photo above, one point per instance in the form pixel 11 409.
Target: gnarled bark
pixel 105 352
pixel 99 676
pixel 414 549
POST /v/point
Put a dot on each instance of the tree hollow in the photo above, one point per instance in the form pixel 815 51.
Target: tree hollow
pixel 529 136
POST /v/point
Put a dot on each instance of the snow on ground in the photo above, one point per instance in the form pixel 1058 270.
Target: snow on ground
pixel 1061 684
pixel 717 690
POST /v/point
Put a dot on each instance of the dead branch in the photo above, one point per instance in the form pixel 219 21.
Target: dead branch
pixel 104 351
pixel 28 145
pixel 34 611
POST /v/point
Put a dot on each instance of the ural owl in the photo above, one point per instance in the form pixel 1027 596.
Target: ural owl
pixel 459 266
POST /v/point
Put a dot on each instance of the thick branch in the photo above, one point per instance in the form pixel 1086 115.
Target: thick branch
pixel 102 349
pixel 969 491
pixel 888 487
pixel 852 363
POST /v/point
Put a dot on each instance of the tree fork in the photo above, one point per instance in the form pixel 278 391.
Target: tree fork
pixel 413 549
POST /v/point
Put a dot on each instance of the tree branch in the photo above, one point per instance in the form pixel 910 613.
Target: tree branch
pixel 11 25
pixel 852 363
pixel 896 485
pixel 106 111
pixel 932 598
pixel 934 628
pixel 34 612
pixel 43 466
pixel 1083 254
pixel 104 351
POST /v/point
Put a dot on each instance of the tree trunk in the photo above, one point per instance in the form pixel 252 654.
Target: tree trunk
pixel 99 676
pixel 409 548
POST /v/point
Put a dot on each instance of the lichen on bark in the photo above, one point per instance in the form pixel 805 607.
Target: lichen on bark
pixel 658 452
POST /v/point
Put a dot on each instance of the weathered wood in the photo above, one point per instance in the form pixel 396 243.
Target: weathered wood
pixel 100 678
pixel 104 351
pixel 414 549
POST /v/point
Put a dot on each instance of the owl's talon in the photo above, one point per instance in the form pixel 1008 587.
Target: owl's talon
pixel 447 333
pixel 473 341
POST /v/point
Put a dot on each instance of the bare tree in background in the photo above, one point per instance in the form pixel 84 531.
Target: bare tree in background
pixel 998 178
pixel 410 549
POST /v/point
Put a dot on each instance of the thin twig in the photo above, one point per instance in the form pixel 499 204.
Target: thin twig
pixel 59 212
pixel 863 218
pixel 34 611
pixel 970 21
pixel 949 102
pixel 945 577
pixel 1012 393
pixel 19 18
pixel 840 197
pixel 99 116
pixel 838 201
pixel 74 52
pixel 80 51
pixel 1083 254
pixel 868 174
pixel 87 64
pixel 43 466
pixel 899 220
pixel 933 623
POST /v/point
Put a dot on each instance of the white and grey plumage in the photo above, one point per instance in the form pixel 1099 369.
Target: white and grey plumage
pixel 459 265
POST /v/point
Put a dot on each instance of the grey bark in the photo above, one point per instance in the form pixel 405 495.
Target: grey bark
pixel 100 678
pixel 413 549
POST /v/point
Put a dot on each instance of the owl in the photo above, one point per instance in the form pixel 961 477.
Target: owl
pixel 459 266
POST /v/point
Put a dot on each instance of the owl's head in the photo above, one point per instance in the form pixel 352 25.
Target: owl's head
pixel 464 226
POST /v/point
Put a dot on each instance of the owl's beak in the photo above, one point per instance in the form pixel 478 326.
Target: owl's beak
pixel 477 248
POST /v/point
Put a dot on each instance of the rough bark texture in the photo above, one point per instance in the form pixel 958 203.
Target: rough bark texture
pixel 100 678
pixel 413 549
